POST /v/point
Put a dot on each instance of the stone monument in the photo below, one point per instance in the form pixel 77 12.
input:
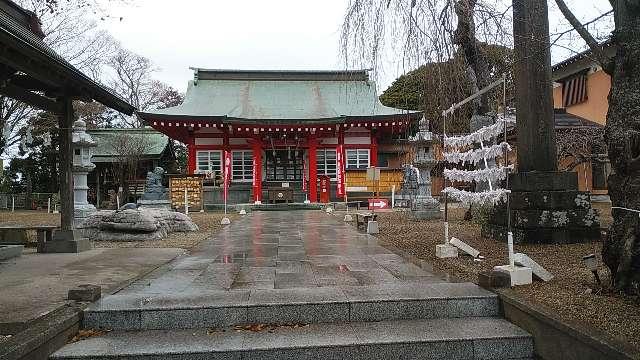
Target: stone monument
pixel 424 206
pixel 545 204
pixel 155 194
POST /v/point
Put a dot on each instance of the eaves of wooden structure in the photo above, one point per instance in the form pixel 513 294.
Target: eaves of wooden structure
pixel 30 71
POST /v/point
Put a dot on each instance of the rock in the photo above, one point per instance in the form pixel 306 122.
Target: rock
pixel 136 225
pixel 130 221
pixel 128 206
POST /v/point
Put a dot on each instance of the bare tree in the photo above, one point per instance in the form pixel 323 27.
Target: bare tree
pixel 128 149
pixel 73 35
pixel 133 80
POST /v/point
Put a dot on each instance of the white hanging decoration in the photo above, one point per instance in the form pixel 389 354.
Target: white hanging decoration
pixel 29 136
pixel 46 139
pixel 486 197
pixel 485 133
pixel 475 156
pixel 491 174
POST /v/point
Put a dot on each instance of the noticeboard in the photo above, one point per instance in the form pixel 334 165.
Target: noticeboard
pixel 193 186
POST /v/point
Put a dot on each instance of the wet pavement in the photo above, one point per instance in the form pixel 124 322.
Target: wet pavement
pixel 282 250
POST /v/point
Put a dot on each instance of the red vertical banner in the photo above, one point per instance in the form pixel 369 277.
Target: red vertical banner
pixel 227 173
pixel 304 175
pixel 340 171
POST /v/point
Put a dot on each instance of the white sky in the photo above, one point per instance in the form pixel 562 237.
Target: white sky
pixel 257 34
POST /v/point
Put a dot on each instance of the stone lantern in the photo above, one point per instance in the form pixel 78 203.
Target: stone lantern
pixel 83 146
pixel 424 206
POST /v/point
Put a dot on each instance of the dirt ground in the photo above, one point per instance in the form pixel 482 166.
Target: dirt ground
pixel 572 294
pixel 208 223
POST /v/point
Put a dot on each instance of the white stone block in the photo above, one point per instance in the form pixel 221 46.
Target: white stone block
pixel 519 275
pixel 464 247
pixel 446 251
pixel 348 218
pixel 540 272
pixel 372 227
pixel 243 212
pixel 225 221
pixel 329 210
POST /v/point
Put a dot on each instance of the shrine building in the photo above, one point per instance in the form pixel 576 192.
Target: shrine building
pixel 283 129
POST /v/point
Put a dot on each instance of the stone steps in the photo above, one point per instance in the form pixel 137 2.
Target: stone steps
pixel 451 339
pixel 302 305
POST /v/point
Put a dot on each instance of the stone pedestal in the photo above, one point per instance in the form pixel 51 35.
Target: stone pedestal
pixel 372 227
pixel 444 251
pixel 68 241
pixel 545 208
pixel 519 275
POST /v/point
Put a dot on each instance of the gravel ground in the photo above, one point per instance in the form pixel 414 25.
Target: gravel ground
pixel 571 294
pixel 208 223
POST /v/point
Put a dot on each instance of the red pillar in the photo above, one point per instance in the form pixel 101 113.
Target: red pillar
pixel 373 150
pixel 257 171
pixel 191 155
pixel 313 170
pixel 341 162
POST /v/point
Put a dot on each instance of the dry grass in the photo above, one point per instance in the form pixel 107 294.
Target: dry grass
pixel 569 294
pixel 208 223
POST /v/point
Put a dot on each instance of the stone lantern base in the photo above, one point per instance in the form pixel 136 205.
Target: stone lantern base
pixel 426 208
pixel 545 208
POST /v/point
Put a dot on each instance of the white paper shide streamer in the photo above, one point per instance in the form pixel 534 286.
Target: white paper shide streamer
pixel 492 175
pixel 478 198
pixel 475 156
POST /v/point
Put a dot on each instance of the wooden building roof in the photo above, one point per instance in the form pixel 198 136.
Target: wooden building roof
pixel 279 97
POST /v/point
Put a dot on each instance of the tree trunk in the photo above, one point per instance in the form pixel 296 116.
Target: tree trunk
pixel 476 60
pixel 621 250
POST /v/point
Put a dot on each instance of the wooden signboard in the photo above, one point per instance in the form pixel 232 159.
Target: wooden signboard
pixel 193 185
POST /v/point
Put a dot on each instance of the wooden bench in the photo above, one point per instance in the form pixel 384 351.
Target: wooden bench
pixel 362 219
pixel 44 233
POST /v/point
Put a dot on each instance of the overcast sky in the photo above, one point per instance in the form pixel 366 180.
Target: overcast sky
pixel 254 34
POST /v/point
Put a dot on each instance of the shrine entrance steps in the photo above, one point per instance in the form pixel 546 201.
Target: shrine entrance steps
pixel 321 290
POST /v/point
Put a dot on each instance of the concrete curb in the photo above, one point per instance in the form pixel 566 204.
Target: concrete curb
pixel 556 339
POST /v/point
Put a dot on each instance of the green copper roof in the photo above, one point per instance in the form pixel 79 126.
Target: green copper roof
pixel 279 95
pixel 148 143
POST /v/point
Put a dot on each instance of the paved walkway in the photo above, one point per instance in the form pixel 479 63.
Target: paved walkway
pixel 282 250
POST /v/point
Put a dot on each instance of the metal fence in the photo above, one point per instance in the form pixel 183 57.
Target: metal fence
pixel 33 202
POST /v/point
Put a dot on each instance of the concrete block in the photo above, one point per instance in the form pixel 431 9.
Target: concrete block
pixel 540 272
pixel 466 248
pixel 372 227
pixel 67 246
pixel 243 212
pixel 494 279
pixel 225 221
pixel 518 275
pixel 10 251
pixel 85 293
pixel 446 251
pixel 348 218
